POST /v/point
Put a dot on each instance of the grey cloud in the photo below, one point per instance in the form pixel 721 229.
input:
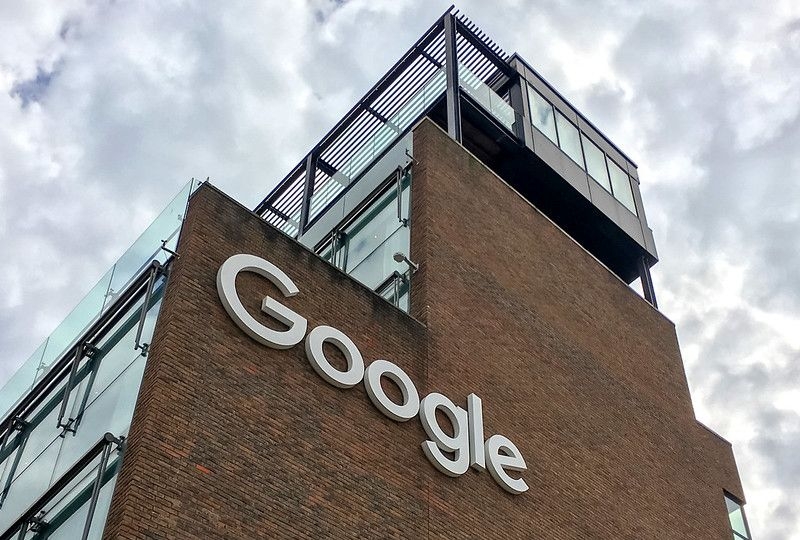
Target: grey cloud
pixel 149 94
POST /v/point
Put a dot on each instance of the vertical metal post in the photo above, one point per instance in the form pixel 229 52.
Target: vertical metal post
pixel 151 282
pixel 647 283
pixel 399 187
pixel 515 93
pixel 98 482
pixel 76 359
pixel 308 192
pixel 335 247
pixel 451 71
pixel 17 455
pixel 92 353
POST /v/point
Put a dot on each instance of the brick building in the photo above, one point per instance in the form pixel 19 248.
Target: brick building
pixel 425 331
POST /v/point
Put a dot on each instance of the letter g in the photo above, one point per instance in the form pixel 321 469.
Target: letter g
pixel 226 287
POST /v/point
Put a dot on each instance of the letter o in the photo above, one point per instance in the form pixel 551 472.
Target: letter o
pixel 355 362
pixel 372 382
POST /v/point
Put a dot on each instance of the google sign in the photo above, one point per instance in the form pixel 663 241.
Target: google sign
pixel 452 454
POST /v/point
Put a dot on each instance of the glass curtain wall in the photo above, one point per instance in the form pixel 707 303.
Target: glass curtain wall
pixel 99 398
pixel 155 243
pixel 365 246
pixel 580 149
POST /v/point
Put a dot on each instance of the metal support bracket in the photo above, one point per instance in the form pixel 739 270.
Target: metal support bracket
pixel 398 172
pixel 170 251
pixel 37 524
pixel 98 481
pixel 76 360
pixel 155 272
pixel 308 192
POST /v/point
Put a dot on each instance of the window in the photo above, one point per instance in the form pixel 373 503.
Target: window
pixel 569 139
pixel 559 129
pixel 365 246
pixel 542 115
pixel 737 520
pixel 596 163
pixel 621 186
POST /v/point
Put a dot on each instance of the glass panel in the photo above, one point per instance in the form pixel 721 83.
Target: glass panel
pixel 569 139
pixel 484 95
pixel 148 246
pixel 595 162
pixel 165 227
pixel 77 321
pixel 542 115
pixel 383 137
pixel 22 380
pixel 117 349
pixel 389 290
pixel 621 186
pixel 111 411
pixel 29 485
pixel 403 303
pixel 736 517
pixel 377 266
pixel 373 227
pixel 69 524
pixel 43 432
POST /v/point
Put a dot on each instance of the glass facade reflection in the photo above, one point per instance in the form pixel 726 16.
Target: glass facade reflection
pixel 737 519
pixel 100 398
pixel 542 116
pixel 596 163
pixel 569 139
pixel 365 245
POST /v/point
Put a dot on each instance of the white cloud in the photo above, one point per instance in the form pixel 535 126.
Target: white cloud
pixel 109 107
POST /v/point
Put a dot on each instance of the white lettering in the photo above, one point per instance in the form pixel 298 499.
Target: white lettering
pixel 226 288
pixel 452 455
pixel 510 459
pixel 457 444
pixel 372 383
pixel 476 454
pixel 355 363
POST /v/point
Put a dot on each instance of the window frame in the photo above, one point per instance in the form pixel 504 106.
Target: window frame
pixel 736 534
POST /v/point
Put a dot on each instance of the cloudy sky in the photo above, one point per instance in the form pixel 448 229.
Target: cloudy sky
pixel 108 108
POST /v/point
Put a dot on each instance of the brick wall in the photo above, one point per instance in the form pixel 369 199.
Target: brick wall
pixel 231 439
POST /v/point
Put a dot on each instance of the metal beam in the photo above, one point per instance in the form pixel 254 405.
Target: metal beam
pixel 308 192
pixel 489 53
pixel 382 118
pixel 430 59
pixel 326 167
pixel 517 98
pixel 451 70
pixel 647 282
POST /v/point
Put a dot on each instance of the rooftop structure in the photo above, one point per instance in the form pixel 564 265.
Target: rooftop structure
pixel 503 112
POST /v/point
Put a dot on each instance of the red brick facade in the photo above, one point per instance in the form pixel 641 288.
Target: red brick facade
pixel 232 439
